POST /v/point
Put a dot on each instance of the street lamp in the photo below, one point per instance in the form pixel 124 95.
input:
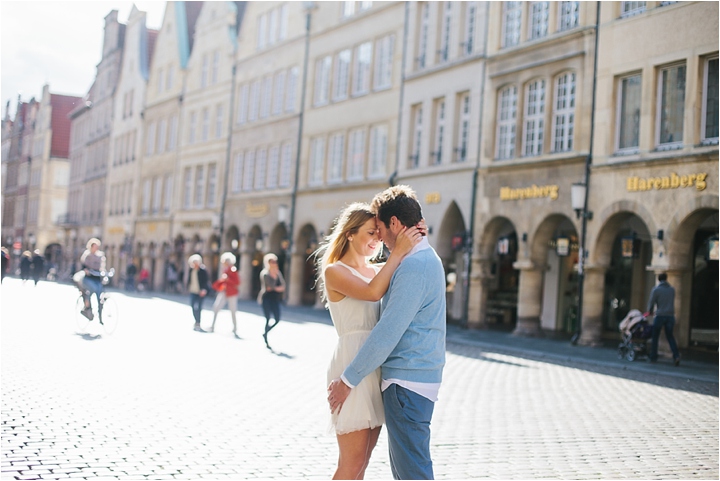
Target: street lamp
pixel 579 201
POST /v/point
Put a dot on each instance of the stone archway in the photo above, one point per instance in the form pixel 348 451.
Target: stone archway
pixel 451 248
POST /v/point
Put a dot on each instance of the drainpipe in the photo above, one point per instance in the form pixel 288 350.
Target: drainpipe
pixel 470 241
pixel 393 176
pixel 228 153
pixel 588 162
pixel 301 116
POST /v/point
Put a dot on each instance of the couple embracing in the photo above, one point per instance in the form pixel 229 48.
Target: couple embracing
pixel 387 367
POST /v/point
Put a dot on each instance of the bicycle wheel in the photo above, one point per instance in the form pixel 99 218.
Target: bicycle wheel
pixel 81 321
pixel 109 314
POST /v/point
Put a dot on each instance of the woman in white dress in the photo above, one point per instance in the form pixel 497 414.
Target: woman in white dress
pixel 352 289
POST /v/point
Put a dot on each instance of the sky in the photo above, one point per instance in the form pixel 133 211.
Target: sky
pixel 58 43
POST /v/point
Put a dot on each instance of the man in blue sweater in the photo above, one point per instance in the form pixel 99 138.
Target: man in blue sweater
pixel 408 342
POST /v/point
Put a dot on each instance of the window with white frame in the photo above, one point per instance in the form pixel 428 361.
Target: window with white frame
pixel 187 187
pixel 416 139
pixel 384 52
pixel 262 31
pixel 273 27
pixel 506 123
pixel 628 9
pixel 671 105
pixel 445 28
pixel 169 78
pixel 377 164
pixel 273 167
pixel 291 90
pixel 254 101
pixel 147 192
pixel 285 165
pixel 150 146
pixel 204 71
pixel 322 80
pixel 511 19
pixel 192 127
pixel 709 128
pixel 266 97
pixel 423 31
pixel 248 171
pixel 534 118
pixel 569 15
pixel 279 87
pixel 341 75
pixel 215 67
pixel 160 81
pixel 436 155
pixel 628 123
pixel 317 161
pixel 335 158
pixel 283 28
pixel 157 194
pixel 237 173
pixel 463 123
pixel 199 186
pixel 364 5
pixel 470 27
pixel 260 169
pixel 172 142
pixel 205 124
pixel 212 185
pixel 243 104
pixel 168 192
pixel 348 9
pixel 218 121
pixel 361 77
pixel 564 114
pixel 162 133
pixel 538 19
pixel 356 155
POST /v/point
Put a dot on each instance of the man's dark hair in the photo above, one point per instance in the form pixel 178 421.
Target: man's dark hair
pixel 399 201
pixel 662 277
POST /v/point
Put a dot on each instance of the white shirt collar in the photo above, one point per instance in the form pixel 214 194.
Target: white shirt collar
pixel 422 245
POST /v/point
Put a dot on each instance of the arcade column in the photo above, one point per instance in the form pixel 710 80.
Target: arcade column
pixel 529 299
pixel 593 294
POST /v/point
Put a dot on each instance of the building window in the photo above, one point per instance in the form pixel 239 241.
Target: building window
pixel 341 75
pixel 157 195
pixel 147 191
pixel 248 171
pixel 273 167
pixel 187 188
pixel 534 118
pixel 423 30
pixel 173 133
pixel 445 28
pixel 286 165
pixel 710 102
pixel 378 152
pixel 348 9
pixel 436 155
pixel 356 155
pixel 193 127
pixel 168 192
pixel 538 20
pixel 417 113
pixel 512 13
pixel 237 173
pixel 335 158
pixel 218 121
pixel 260 169
pixel 169 78
pixel 507 113
pixel 282 35
pixel 361 79
pixel 629 113
pixel 150 139
pixel 160 81
pixel 364 5
pixel 212 185
pixel 266 97
pixel 564 115
pixel 205 124
pixel 215 67
pixel 317 161
pixel 628 9
pixel 463 127
pixel 279 92
pixel 671 105
pixel 204 72
pixel 254 101
pixel 273 27
pixel 470 27
pixel 322 80
pixel 291 90
pixel 243 104
pixel 199 186
pixel 162 133
pixel 384 52
pixel 262 31
pixel 569 15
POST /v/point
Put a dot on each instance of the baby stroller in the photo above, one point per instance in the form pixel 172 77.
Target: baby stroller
pixel 636 331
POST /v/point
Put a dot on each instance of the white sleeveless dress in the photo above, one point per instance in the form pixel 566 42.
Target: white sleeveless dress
pixel 353 320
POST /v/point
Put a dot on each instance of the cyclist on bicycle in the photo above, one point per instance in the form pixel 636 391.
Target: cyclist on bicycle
pixel 93 264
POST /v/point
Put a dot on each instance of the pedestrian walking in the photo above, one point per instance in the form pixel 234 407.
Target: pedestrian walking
pixel 352 289
pixel 172 277
pixel 662 301
pixel 38 262
pixel 227 290
pixel 25 266
pixel 5 263
pixel 144 280
pixel 271 292
pixel 408 341
pixel 197 287
pixel 93 266
pixel 130 272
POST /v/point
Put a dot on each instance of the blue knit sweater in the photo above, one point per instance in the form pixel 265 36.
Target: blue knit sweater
pixel 409 338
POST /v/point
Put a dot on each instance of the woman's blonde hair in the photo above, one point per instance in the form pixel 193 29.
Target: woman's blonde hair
pixel 335 245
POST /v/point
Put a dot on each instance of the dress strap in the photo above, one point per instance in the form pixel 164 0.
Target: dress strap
pixel 355 271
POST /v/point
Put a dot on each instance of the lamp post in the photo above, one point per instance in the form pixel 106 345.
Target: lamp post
pixel 579 201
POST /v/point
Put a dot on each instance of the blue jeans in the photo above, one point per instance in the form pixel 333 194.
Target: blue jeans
pixel 669 323
pixel 407 416
pixel 196 302
pixel 94 286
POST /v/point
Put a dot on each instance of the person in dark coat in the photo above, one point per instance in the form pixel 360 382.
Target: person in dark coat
pixel 38 262
pixel 25 266
pixel 5 263
pixel 197 286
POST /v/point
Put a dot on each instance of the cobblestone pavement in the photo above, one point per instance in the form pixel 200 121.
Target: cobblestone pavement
pixel 158 401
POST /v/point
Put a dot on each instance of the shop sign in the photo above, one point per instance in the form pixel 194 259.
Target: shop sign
pixel 200 224
pixel 432 198
pixel 562 246
pixel 713 253
pixel 532 192
pixel 256 210
pixel 672 181
pixel 630 246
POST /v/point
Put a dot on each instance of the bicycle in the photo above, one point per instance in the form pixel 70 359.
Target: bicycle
pixel 107 310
